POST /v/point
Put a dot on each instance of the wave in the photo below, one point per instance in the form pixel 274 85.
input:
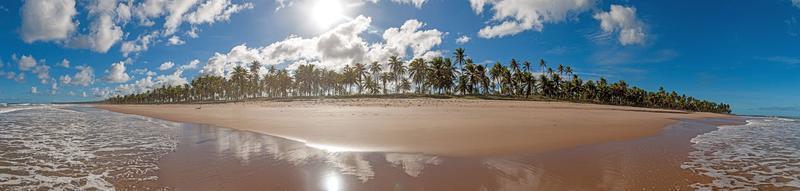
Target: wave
pixel 51 147
pixel 761 154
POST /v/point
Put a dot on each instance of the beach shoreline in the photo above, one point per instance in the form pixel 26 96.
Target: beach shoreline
pixel 447 127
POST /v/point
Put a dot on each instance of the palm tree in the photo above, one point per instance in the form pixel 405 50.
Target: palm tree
pixel 527 65
pixel 255 78
pixel 460 57
pixel 496 73
pixel 398 69
pixel 385 77
pixel 418 70
pixel 238 80
pixel 360 72
pixel 543 65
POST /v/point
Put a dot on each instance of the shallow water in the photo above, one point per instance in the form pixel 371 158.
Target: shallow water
pixel 54 148
pixel 762 154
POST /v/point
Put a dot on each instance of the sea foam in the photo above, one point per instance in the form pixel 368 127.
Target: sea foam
pixel 762 154
pixel 53 148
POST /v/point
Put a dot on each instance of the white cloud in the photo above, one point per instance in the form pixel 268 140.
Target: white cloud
pixel 190 66
pixel 103 30
pixel 416 3
pixel 142 43
pixel 515 16
pixel 334 49
pixel 42 73
pixel 215 10
pixel 84 77
pixel 148 83
pixel 100 92
pixel 166 66
pixel 464 39
pixel 53 88
pixel 64 63
pixel 45 20
pixel 34 90
pixel 623 20
pixel 14 76
pixel 796 3
pixel 175 40
pixel 117 74
pixel 175 18
pixel 54 20
pixel 123 13
pixel 26 62
pixel 84 94
pixel 289 3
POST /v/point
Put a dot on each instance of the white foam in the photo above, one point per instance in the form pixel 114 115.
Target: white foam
pixel 47 147
pixel 765 151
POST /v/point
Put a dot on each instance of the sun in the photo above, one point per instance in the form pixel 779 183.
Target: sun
pixel 327 12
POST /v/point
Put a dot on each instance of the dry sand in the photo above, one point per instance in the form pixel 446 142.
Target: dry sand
pixel 445 127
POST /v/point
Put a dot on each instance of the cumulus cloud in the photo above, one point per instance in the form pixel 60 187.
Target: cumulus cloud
pixel 288 3
pixel 515 16
pixel 54 20
pixel 149 82
pixel 64 63
pixel 53 89
pixel 103 31
pixel 190 66
pixel 26 63
pixel 14 76
pixel 45 20
pixel 175 40
pixel 84 77
pixel 142 43
pixel 464 39
pixel 117 74
pixel 334 49
pixel 42 73
pixel 166 66
pixel 622 20
pixel 215 10
pixel 416 3
pixel 34 90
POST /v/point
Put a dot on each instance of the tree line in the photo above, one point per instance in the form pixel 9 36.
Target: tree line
pixel 437 76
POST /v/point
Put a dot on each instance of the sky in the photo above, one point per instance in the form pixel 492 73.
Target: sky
pixel 744 53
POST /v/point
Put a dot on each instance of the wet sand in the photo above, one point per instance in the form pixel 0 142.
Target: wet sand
pixel 452 127
pixel 210 158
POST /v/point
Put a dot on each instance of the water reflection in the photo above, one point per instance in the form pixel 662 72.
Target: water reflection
pixel 239 156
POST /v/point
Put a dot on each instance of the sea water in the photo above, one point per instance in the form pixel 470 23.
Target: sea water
pixel 764 153
pixel 79 148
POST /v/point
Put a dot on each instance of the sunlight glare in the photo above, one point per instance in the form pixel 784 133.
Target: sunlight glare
pixel 327 12
pixel 332 182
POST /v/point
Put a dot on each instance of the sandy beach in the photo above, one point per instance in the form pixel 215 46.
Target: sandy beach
pixel 445 127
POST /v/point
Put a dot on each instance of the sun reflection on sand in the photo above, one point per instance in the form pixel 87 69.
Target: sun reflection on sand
pixel 332 182
pixel 348 168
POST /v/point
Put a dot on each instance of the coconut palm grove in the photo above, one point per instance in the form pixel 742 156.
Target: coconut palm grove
pixel 440 76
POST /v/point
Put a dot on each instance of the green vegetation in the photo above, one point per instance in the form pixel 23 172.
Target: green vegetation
pixel 438 77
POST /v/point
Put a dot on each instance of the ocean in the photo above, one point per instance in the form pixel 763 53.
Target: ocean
pixel 79 148
pixel 762 154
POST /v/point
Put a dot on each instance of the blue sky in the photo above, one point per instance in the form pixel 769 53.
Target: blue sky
pixel 744 53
